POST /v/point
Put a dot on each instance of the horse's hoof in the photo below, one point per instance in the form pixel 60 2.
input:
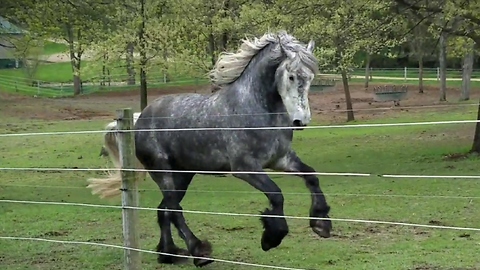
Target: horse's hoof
pixel 203 249
pixel 325 233
pixel 275 230
pixel 171 259
pixel 266 246
pixel 322 227
pixel 201 262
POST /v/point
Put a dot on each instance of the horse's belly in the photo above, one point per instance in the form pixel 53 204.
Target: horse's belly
pixel 195 153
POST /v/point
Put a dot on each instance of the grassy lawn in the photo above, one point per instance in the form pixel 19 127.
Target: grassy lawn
pixel 52 48
pixel 14 81
pixel 381 150
pixel 62 72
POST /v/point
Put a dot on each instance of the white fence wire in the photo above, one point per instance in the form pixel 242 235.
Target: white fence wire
pixel 320 111
pixel 345 174
pixel 247 215
pixel 244 172
pixel 266 192
pixel 401 124
pixel 146 251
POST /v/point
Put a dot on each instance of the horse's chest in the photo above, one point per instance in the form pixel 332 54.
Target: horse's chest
pixel 278 148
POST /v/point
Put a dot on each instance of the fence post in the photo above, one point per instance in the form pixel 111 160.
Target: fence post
pixel 405 71
pixel 438 74
pixel 132 260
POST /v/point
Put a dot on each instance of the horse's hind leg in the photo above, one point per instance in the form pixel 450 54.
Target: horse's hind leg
pixel 166 244
pixel 174 187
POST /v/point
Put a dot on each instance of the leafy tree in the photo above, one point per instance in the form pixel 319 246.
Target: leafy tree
pixel 341 29
pixel 76 23
pixel 419 40
pixel 207 28
pixel 28 50
pixel 456 17
pixel 465 48
pixel 143 27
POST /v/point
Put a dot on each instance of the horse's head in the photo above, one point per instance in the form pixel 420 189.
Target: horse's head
pixel 293 78
pixel 275 61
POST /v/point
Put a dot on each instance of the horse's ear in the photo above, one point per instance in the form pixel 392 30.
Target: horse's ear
pixel 311 46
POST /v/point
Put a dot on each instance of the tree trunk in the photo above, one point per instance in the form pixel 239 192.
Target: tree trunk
pixel 74 61
pixel 467 73
pixel 211 48
pixel 420 74
pixel 367 71
pixel 77 82
pixel 129 60
pixel 166 76
pixel 211 37
pixel 104 70
pixel 143 59
pixel 143 89
pixel 225 35
pixel 443 66
pixel 108 76
pixel 476 136
pixel 348 98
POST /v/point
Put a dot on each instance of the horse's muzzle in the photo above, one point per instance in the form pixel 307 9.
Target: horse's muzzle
pixel 298 124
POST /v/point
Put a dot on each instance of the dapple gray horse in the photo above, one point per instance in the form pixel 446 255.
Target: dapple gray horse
pixel 264 84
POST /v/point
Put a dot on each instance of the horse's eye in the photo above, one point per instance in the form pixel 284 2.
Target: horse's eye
pixel 291 78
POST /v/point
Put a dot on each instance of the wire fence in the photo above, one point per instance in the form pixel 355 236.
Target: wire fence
pixel 41 88
pixel 147 252
pixel 122 82
pixel 344 174
pixel 246 214
pixel 246 192
pixel 125 207
pixel 401 124
pixel 446 107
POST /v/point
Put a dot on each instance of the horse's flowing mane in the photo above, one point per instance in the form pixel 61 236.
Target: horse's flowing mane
pixel 230 66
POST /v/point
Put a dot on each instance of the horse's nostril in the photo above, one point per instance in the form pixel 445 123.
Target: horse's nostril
pixel 297 123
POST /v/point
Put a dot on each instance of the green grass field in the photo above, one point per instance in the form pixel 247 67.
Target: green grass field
pixel 381 150
pixel 14 80
pixel 52 48
pixel 91 70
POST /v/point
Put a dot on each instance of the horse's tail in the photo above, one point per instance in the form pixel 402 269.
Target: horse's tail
pixel 110 186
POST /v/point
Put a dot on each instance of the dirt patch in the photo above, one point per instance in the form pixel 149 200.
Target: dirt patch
pixel 54 233
pixel 380 231
pixel 326 107
pixel 459 156
pixel 331 106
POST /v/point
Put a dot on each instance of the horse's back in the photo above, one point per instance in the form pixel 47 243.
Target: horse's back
pixel 193 149
pixel 182 110
pixel 205 147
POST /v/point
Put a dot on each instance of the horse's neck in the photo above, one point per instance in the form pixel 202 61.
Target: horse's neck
pixel 257 86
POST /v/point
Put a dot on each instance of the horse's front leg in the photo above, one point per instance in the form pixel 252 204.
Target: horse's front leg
pixel 275 228
pixel 319 207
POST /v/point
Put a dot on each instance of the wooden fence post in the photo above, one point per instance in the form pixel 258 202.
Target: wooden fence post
pixel 132 259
